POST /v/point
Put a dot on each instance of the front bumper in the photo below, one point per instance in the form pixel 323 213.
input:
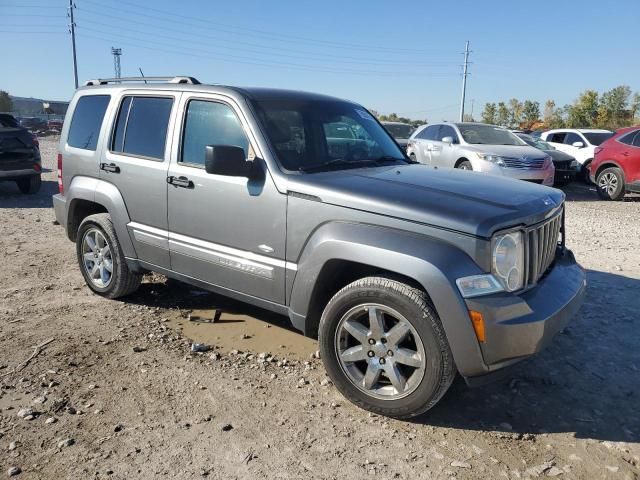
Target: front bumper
pixel 544 176
pixel 518 326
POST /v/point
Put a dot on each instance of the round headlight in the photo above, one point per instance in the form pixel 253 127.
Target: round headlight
pixel 508 260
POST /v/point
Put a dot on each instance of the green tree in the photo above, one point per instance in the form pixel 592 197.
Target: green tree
pixel 515 112
pixel 530 113
pixel 584 111
pixel 635 107
pixel 489 113
pixel 6 104
pixel 613 111
pixel 552 116
pixel 502 117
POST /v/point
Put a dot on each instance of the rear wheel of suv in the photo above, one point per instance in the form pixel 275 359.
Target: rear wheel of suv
pixel 384 347
pixel 29 185
pixel 610 184
pixel 101 259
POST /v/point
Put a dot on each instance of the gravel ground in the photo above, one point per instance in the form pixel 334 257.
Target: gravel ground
pixel 116 393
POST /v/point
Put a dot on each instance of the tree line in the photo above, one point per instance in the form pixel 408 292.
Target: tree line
pixel 612 109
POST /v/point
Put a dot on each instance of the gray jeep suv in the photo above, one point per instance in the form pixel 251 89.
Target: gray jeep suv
pixel 406 274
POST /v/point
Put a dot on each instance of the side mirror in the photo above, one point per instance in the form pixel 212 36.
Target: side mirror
pixel 226 160
pixel 447 140
pixel 577 144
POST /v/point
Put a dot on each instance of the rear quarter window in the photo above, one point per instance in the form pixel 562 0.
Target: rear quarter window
pixel 86 121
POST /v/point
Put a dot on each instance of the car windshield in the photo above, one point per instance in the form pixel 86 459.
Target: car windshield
pixel 596 138
pixel 488 135
pixel 315 135
pixel 398 130
pixel 7 121
pixel 535 142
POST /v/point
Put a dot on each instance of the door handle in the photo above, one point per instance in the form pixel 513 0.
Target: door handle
pixel 110 167
pixel 183 182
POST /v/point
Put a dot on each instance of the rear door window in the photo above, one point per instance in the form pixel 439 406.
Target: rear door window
pixel 557 137
pixel 571 138
pixel 141 127
pixel 87 120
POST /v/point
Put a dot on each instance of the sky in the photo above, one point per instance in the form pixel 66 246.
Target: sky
pixel 403 57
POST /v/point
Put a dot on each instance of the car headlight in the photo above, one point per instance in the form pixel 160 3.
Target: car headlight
pixel 497 159
pixel 507 260
pixel 574 164
pixel 548 161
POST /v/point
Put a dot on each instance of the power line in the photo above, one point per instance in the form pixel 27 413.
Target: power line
pixel 237 45
pixel 246 31
pixel 235 59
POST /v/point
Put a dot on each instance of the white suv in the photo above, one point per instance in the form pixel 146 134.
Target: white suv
pixel 579 143
pixel 481 148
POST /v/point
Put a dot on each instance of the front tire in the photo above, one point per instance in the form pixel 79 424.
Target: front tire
pixel 384 348
pixel 465 165
pixel 413 158
pixel 29 185
pixel 610 184
pixel 101 259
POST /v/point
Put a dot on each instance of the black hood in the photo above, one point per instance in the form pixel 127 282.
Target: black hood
pixel 468 202
pixel 558 156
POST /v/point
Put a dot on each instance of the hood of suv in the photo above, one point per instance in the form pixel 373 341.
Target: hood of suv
pixel 468 202
pixel 513 151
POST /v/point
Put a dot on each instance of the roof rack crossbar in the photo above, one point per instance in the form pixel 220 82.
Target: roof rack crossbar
pixel 106 81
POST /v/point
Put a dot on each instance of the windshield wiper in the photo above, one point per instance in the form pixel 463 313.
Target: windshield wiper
pixel 336 162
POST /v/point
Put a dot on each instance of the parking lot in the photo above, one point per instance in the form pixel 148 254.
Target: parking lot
pixel 129 400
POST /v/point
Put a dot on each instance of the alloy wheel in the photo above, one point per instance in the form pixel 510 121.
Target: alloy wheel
pixel 380 351
pixel 608 183
pixel 96 258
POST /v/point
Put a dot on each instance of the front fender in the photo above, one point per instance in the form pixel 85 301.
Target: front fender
pixel 433 263
pixel 107 195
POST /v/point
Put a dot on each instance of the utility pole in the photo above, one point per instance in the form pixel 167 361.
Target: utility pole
pixel 464 80
pixel 116 52
pixel 72 26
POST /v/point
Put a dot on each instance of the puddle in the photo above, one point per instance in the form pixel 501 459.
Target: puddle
pixel 239 331
pixel 240 327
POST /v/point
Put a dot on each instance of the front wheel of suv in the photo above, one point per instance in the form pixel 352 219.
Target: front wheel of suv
pixel 464 165
pixel 384 347
pixel 101 259
pixel 610 184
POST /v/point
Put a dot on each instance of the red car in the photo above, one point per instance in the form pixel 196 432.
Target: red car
pixel 616 165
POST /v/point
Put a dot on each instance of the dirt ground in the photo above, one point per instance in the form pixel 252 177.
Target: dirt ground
pixel 116 393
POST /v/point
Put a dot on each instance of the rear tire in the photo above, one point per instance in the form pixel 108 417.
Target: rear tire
pixel 401 384
pixel 29 185
pixel 98 249
pixel 465 165
pixel 610 184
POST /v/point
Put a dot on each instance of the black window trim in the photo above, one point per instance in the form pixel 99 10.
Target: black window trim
pixel 114 123
pixel 106 111
pixel 183 125
pixel 633 134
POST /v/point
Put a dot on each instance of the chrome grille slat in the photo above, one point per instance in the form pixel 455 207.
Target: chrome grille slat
pixel 542 242
pixel 528 164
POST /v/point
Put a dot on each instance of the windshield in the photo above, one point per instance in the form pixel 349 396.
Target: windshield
pixel 596 138
pixel 398 130
pixel 488 135
pixel 535 142
pixel 7 121
pixel 316 135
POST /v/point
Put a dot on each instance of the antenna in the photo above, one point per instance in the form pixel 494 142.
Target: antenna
pixel 116 52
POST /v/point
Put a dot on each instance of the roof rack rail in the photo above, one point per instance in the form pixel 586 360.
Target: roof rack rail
pixel 106 81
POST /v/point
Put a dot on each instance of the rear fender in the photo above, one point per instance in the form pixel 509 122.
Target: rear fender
pixel 107 195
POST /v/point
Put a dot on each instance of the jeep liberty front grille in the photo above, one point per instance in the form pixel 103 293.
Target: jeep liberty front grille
pixel 541 244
